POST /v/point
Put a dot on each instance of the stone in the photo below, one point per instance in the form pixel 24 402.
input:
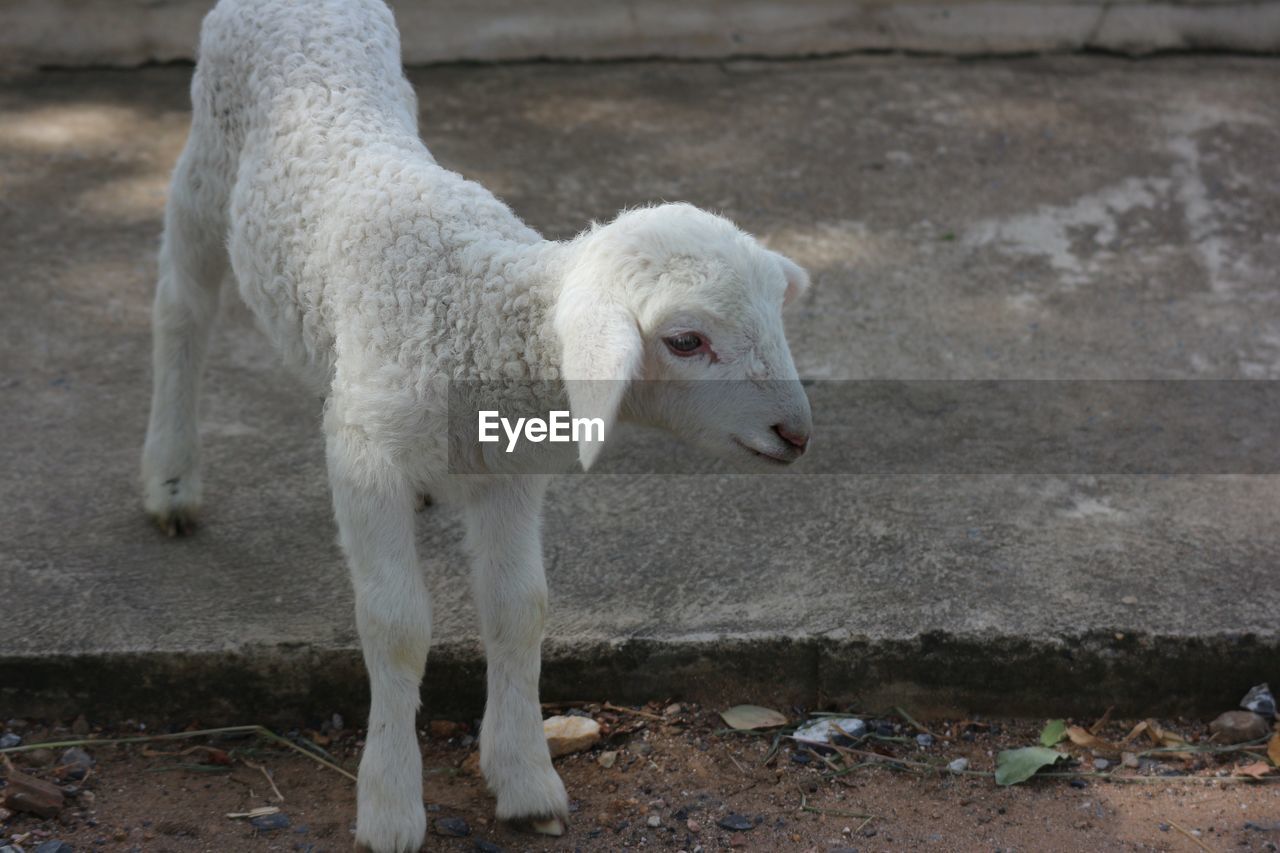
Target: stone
pixel 566 735
pixel 735 823
pixel 959 765
pixel 37 758
pixel 607 759
pixel 74 763
pixel 924 740
pixel 1260 701
pixel 654 821
pixel 1130 760
pixel 452 827
pixel 23 793
pixel 1238 727
pixel 8 740
pixel 1101 764
pixel 53 845
pixel 483 846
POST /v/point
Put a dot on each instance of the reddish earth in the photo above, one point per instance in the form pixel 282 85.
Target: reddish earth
pixel 679 770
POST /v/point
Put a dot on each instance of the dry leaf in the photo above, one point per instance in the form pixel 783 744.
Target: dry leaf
pixel 1134 732
pixel 747 717
pixel 1273 749
pixel 1106 716
pixel 1257 770
pixel 1081 737
pixel 1163 737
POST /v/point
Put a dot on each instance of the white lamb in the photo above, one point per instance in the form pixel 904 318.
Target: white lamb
pixel 382 278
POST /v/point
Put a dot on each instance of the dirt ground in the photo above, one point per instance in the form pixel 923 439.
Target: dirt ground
pixel 677 775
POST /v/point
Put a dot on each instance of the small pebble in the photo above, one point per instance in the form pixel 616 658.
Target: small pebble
pixel 270 822
pixel 53 845
pixel 607 759
pixel 735 823
pixel 452 827
pixel 801 756
pixel 9 739
pixel 654 821
pixel 1260 701
pixel 1101 764
pixel 76 763
pixel 1079 783
pixel 959 765
pixel 924 740
pixel 487 846
pixel 1129 760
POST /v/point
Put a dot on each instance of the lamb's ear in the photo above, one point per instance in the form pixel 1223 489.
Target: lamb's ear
pixel 601 353
pixel 797 278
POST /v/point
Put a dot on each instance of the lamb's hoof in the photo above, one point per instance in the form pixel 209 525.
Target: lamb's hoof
pixel 175 523
pixel 543 825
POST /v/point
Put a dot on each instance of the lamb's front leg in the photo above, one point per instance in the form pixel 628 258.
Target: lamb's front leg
pixel 375 512
pixel 511 596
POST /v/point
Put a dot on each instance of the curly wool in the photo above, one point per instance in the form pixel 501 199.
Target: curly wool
pixel 373 269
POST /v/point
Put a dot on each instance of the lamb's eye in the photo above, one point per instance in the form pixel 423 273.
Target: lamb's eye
pixel 686 343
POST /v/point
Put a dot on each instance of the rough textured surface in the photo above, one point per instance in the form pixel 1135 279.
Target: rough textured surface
pixel 77 33
pixel 1052 218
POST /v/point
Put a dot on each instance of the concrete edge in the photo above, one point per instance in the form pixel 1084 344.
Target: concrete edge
pixel 933 674
pixel 79 33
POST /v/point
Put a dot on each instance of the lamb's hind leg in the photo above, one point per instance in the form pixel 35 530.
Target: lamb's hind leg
pixel 193 264
pixel 511 597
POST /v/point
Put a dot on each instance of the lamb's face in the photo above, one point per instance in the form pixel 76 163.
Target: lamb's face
pixel 691 307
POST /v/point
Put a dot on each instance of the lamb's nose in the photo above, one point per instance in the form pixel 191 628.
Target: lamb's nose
pixel 798 440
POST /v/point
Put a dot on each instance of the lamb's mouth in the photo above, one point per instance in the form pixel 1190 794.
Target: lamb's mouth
pixel 763 454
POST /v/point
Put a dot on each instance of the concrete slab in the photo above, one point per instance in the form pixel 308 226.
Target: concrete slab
pixel 124 33
pixel 1053 218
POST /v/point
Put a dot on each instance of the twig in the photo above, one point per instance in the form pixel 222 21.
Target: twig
pixel 609 706
pixel 742 769
pixel 1196 841
pixel 270 781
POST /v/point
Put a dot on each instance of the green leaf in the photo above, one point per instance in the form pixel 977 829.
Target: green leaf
pixel 1055 731
pixel 1019 765
pixel 746 717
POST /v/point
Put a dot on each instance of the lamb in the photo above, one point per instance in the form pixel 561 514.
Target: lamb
pixel 384 280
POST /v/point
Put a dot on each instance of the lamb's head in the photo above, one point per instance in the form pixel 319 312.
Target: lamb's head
pixel 685 301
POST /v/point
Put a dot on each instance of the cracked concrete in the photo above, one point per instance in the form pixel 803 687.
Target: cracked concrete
pixel 1068 218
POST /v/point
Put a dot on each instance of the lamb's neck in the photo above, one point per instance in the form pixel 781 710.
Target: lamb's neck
pixel 531 275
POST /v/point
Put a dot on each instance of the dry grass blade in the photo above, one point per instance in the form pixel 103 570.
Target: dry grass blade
pixel 912 721
pixel 618 709
pixel 260 731
pixel 1196 841
pixel 267 776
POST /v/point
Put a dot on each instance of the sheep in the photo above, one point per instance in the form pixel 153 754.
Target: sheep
pixel 384 280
